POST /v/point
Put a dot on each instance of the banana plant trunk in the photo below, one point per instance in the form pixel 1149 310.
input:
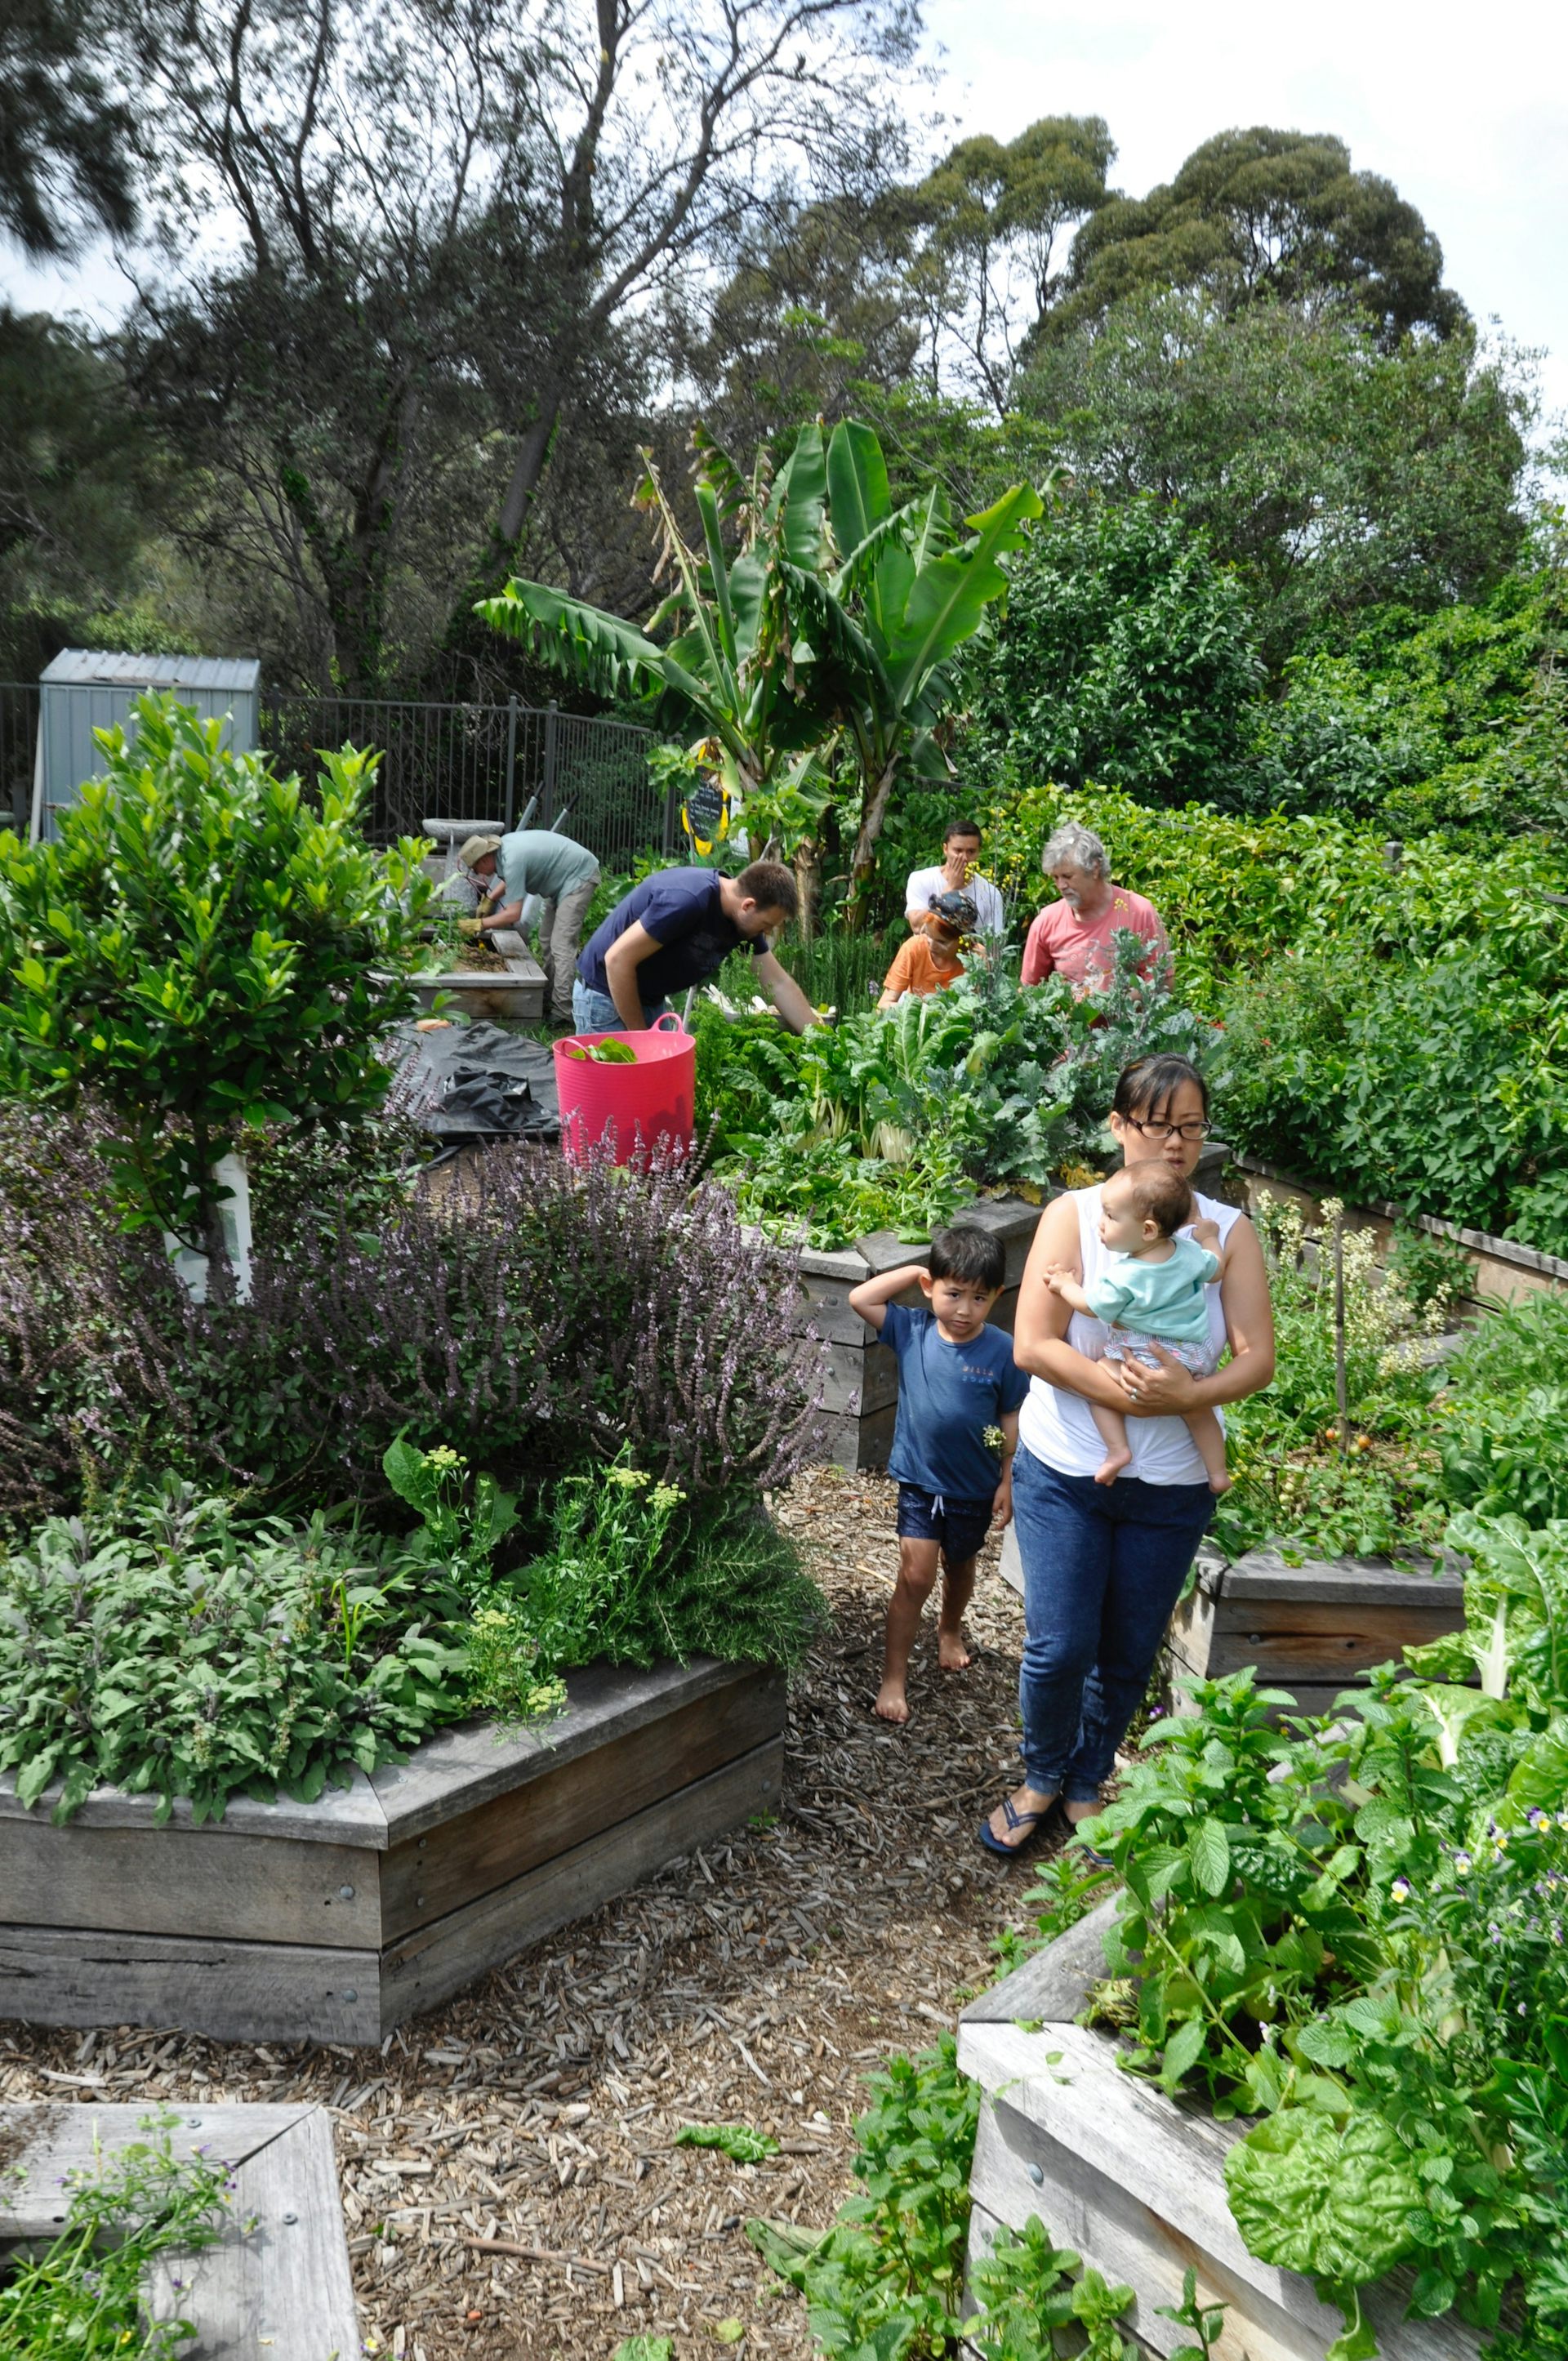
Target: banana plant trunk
pixel 874 811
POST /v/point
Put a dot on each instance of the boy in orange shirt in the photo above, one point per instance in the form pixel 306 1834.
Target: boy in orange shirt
pixel 929 960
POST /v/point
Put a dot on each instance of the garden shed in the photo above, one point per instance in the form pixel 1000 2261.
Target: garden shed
pixel 90 689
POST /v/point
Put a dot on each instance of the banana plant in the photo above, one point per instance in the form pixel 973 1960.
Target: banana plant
pixel 907 594
pixel 828 635
pixel 727 664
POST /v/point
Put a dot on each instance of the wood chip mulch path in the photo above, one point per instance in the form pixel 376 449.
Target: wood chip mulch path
pixel 757 1982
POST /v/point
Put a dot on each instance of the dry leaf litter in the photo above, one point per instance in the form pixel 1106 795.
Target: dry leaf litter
pixel 509 2178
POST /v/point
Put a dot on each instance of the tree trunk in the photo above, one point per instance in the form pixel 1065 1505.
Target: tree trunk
pixel 874 811
pixel 808 885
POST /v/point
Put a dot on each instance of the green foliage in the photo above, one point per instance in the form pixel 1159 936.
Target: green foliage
pixel 83 2297
pixel 984 1082
pixel 1355 1930
pixel 202 951
pixel 1207 2321
pixel 175 1649
pixel 633 1571
pixel 737 2141
pixel 1338 473
pixel 1291 1480
pixel 1125 653
pixel 1503 1413
pixel 887 2280
pixel 833 624
pixel 1330 232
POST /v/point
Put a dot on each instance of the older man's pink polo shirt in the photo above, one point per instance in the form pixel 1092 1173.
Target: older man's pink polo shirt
pixel 1061 943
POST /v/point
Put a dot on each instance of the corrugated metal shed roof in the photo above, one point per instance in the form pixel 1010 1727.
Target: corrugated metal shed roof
pixel 95 667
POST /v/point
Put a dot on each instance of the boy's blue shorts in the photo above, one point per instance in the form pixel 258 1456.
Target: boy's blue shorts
pixel 960 1526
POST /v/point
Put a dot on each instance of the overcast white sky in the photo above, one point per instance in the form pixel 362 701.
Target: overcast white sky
pixel 1466 110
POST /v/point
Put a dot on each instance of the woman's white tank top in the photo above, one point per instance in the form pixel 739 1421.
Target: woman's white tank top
pixel 1056 1426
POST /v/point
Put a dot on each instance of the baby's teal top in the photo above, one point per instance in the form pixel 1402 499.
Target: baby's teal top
pixel 1161 1299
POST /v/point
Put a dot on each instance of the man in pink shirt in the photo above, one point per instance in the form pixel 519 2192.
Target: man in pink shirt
pixel 1074 936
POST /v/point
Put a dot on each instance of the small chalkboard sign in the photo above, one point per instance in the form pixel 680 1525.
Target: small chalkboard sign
pixel 705 814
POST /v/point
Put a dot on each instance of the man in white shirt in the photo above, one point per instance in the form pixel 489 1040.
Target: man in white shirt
pixel 960 856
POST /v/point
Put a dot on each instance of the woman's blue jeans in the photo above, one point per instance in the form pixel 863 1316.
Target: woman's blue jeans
pixel 1103 1565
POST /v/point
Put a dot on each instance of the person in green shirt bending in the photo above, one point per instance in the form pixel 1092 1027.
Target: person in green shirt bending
pixel 565 876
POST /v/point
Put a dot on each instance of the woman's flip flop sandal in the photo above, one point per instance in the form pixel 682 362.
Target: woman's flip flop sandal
pixel 1017 1820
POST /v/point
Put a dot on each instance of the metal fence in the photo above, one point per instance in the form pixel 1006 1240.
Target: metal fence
pixel 487 762
pixel 439 761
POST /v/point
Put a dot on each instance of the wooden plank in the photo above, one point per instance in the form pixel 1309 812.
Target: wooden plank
pixel 284 2281
pixel 464 1766
pixel 1054 1985
pixel 830 1318
pixel 237 1991
pixel 424 1879
pixel 1165 2164
pixel 425 1967
pixel 1271 1620
pixel 191 1882
pixel 65 2139
pixel 1284 1657
pixel 343 1815
pixel 859 1379
pixel 874 1441
pixel 1114 2234
pixel 1352 1582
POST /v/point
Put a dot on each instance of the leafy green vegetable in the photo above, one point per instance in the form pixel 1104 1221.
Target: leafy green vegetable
pixel 1333 2203
pixel 608 1052
pixel 737 2141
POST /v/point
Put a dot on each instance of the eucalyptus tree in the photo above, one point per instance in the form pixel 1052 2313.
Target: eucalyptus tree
pixel 406 247
pixel 65 129
pixel 827 637
pixel 1279 215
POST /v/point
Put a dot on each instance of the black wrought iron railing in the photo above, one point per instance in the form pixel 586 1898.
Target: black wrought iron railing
pixel 514 763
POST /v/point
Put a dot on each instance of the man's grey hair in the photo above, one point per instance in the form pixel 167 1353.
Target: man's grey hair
pixel 1075 846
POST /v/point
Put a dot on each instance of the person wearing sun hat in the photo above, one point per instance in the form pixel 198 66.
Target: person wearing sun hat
pixel 929 960
pixel 565 876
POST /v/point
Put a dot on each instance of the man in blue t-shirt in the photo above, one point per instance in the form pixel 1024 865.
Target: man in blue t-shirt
pixel 674 929
pixel 959 1392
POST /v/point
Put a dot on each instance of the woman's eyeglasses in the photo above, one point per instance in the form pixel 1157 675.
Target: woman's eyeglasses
pixel 1169 1130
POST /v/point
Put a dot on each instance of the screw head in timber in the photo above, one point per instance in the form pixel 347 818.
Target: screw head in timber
pixel 1037 2174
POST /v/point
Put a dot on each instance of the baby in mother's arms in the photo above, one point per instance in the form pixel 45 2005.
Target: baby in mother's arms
pixel 1151 1297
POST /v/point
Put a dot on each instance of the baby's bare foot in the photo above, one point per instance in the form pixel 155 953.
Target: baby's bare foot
pixel 892 1705
pixel 952 1653
pixel 1111 1466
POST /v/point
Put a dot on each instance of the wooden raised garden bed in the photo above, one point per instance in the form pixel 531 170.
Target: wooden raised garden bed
pixel 519 994
pixel 1501 1269
pixel 1134 2180
pixel 334 1921
pixel 1310 1629
pixel 278 2278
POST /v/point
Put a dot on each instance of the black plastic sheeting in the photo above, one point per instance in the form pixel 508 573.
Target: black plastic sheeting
pixel 475 1081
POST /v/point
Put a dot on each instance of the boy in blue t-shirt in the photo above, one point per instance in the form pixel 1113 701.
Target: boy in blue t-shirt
pixel 958 1386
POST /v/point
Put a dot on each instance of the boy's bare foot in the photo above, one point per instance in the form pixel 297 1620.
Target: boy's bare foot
pixel 952 1653
pixel 1111 1466
pixel 892 1704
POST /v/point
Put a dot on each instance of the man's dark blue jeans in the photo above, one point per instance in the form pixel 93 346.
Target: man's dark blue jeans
pixel 1103 1565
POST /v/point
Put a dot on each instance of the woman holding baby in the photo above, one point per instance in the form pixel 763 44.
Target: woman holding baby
pixel 1119 1324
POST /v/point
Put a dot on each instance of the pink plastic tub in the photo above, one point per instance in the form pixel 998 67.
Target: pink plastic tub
pixel 629 1107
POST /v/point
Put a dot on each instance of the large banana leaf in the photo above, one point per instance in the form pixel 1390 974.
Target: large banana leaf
pixel 799 495
pixel 951 594
pixel 858 487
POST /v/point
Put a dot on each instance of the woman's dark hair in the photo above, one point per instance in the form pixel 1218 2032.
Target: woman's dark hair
pixel 1147 1086
pixel 967 1253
